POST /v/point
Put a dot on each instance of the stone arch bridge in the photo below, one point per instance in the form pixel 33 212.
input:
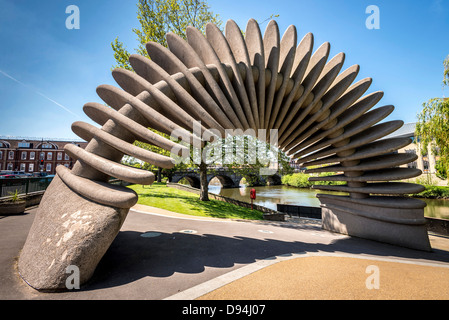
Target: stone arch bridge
pixel 229 179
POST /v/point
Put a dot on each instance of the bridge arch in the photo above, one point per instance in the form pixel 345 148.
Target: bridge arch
pixel 225 180
pixel 192 179
pixel 274 180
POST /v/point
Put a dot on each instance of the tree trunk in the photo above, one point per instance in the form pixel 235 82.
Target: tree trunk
pixel 159 174
pixel 204 186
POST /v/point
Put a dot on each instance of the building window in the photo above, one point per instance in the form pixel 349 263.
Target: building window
pixel 11 155
pixel 49 155
pixel 4 144
pixel 31 167
pixel 1 155
pixel 24 155
pixel 412 165
pixel 66 157
pixel 47 146
pixel 42 156
pixel 48 167
pixel 24 145
pixel 22 167
pixel 32 155
pixel 9 167
pixel 425 164
pixel 59 156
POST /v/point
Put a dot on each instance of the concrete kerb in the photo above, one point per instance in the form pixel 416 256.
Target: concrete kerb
pixel 292 222
pixel 211 285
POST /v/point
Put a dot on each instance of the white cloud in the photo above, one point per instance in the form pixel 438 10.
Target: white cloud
pixel 39 93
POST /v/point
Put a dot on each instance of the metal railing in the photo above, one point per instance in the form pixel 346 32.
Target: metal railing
pixel 23 186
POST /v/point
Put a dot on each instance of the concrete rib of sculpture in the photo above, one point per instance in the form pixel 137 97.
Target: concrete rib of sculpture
pixel 228 81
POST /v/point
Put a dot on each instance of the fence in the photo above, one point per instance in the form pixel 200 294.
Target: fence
pixel 300 211
pixel 24 186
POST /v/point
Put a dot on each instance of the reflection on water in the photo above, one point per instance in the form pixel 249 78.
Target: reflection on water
pixel 436 208
pixel 270 196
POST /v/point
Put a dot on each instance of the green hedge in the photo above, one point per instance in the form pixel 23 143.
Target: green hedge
pixel 301 180
pixel 435 192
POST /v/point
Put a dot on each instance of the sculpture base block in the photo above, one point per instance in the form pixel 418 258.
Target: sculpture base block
pixel 68 230
pixel 405 227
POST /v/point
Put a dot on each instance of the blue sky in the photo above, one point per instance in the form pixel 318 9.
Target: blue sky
pixel 48 72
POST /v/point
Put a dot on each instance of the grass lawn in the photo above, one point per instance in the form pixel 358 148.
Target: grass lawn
pixel 160 196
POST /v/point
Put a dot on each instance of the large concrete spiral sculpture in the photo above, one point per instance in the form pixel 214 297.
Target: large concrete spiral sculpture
pixel 228 81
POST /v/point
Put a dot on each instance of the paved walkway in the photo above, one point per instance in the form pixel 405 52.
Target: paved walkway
pixel 163 255
pixel 339 277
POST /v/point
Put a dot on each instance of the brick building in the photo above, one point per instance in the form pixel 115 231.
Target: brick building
pixel 425 162
pixel 33 155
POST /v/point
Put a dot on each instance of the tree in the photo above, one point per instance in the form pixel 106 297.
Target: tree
pixel 441 169
pixel 157 18
pixel 253 158
pixel 433 125
pixel 446 72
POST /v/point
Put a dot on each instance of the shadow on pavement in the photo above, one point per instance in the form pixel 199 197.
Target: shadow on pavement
pixel 132 257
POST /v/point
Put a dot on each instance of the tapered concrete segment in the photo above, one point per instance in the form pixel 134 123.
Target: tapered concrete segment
pixel 204 49
pixel 271 42
pixel 286 59
pixel 301 61
pixel 387 161
pixel 150 72
pixel 368 119
pixel 339 87
pixel 228 82
pixel 354 222
pixel 240 52
pixel 337 108
pixel 361 139
pixel 329 74
pixel 254 43
pixel 69 230
pixel 129 174
pixel 101 192
pixel 347 117
pixel 189 57
pixel 378 188
pixel 88 132
pixel 97 111
pixel 370 150
pixel 313 72
pixel 224 53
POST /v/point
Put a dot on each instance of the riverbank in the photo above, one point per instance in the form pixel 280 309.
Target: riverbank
pixel 301 180
pixel 271 196
pixel 161 196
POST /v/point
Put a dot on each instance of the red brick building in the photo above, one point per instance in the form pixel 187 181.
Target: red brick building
pixel 33 155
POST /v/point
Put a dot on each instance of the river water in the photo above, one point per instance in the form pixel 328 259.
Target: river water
pixel 271 195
